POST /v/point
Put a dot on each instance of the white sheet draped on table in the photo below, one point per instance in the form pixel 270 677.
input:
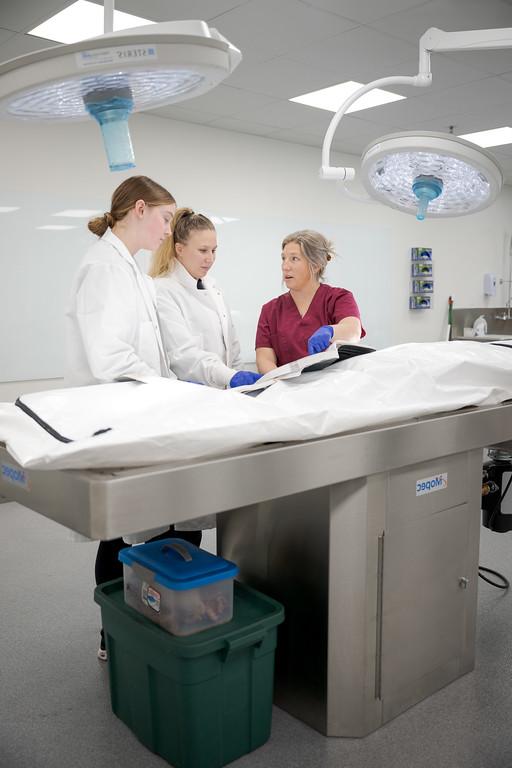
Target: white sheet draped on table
pixel 164 420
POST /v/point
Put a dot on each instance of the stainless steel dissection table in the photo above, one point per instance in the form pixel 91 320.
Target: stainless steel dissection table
pixel 370 539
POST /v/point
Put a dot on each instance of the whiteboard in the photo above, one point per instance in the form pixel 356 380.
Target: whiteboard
pixel 37 267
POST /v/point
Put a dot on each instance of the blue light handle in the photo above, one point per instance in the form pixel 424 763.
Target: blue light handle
pixel 112 115
pixel 426 189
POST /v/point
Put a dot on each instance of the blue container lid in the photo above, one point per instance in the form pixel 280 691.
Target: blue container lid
pixel 178 564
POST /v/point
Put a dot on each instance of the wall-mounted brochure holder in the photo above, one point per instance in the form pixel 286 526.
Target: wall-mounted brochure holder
pixel 421 254
pixel 422 282
pixel 420 302
pixel 422 286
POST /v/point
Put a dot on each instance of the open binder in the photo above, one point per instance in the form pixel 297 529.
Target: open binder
pixel 334 353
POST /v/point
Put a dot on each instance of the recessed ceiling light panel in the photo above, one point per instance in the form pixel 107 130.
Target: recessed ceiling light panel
pixel 494 137
pixel 81 20
pixel 332 97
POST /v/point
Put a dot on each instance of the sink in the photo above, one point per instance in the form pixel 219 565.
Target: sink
pixel 496 336
pixel 487 337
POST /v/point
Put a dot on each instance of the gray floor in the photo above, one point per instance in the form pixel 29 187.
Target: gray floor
pixel 54 699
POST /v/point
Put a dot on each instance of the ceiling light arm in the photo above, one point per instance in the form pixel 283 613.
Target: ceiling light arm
pixel 432 40
pixel 473 40
pixel 108 16
pixel 328 172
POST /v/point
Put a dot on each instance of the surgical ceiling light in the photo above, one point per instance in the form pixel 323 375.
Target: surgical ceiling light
pixel 429 172
pixel 425 173
pixel 111 76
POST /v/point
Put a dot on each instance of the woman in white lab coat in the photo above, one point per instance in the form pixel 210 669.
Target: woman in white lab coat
pixel 112 322
pixel 199 336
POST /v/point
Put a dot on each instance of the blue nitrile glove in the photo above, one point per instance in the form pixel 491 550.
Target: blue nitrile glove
pixel 242 378
pixel 320 340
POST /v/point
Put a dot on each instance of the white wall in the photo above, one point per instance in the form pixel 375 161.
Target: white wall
pixel 259 180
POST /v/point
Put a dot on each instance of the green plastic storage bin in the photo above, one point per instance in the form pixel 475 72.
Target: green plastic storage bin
pixel 199 701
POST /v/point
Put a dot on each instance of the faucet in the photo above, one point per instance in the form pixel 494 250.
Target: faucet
pixel 508 314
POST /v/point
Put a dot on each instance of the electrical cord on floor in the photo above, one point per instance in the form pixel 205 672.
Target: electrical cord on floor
pixel 503 582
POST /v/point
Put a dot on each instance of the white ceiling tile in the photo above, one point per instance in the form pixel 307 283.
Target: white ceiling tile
pixel 487 62
pixel 299 137
pixel 281 78
pixel 242 126
pixel 484 94
pixel 20 44
pixel 399 115
pixel 449 15
pixel 5 34
pixel 506 76
pixel 353 127
pixel 183 114
pixel 287 114
pixel 22 16
pixel 227 101
pixel 502 154
pixel 356 55
pixel 352 146
pixel 364 12
pixel 470 121
pixel 264 29
pixel 163 10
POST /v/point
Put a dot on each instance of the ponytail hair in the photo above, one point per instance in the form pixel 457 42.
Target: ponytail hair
pixel 100 224
pixel 185 222
pixel 124 198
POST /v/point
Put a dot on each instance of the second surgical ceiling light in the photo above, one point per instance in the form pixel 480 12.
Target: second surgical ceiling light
pixel 426 173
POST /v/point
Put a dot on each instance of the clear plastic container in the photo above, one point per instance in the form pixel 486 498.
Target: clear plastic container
pixel 183 596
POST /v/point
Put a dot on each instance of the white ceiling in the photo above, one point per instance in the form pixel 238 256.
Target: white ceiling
pixel 293 46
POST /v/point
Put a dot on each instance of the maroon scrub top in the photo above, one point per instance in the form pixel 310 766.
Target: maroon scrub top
pixel 282 328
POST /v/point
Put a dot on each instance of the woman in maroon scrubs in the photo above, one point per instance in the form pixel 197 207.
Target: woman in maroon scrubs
pixel 311 314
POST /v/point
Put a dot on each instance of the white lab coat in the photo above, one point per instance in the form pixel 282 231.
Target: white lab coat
pixel 112 322
pixel 112 325
pixel 199 336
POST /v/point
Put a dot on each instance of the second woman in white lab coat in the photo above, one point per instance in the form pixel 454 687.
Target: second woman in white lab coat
pixel 199 336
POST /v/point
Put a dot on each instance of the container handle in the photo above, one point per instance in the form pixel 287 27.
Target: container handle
pixel 179 548
pixel 254 638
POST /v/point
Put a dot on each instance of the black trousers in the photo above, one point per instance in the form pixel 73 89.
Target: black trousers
pixel 108 567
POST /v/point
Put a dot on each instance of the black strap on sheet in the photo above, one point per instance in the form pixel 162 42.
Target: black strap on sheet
pixel 51 431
